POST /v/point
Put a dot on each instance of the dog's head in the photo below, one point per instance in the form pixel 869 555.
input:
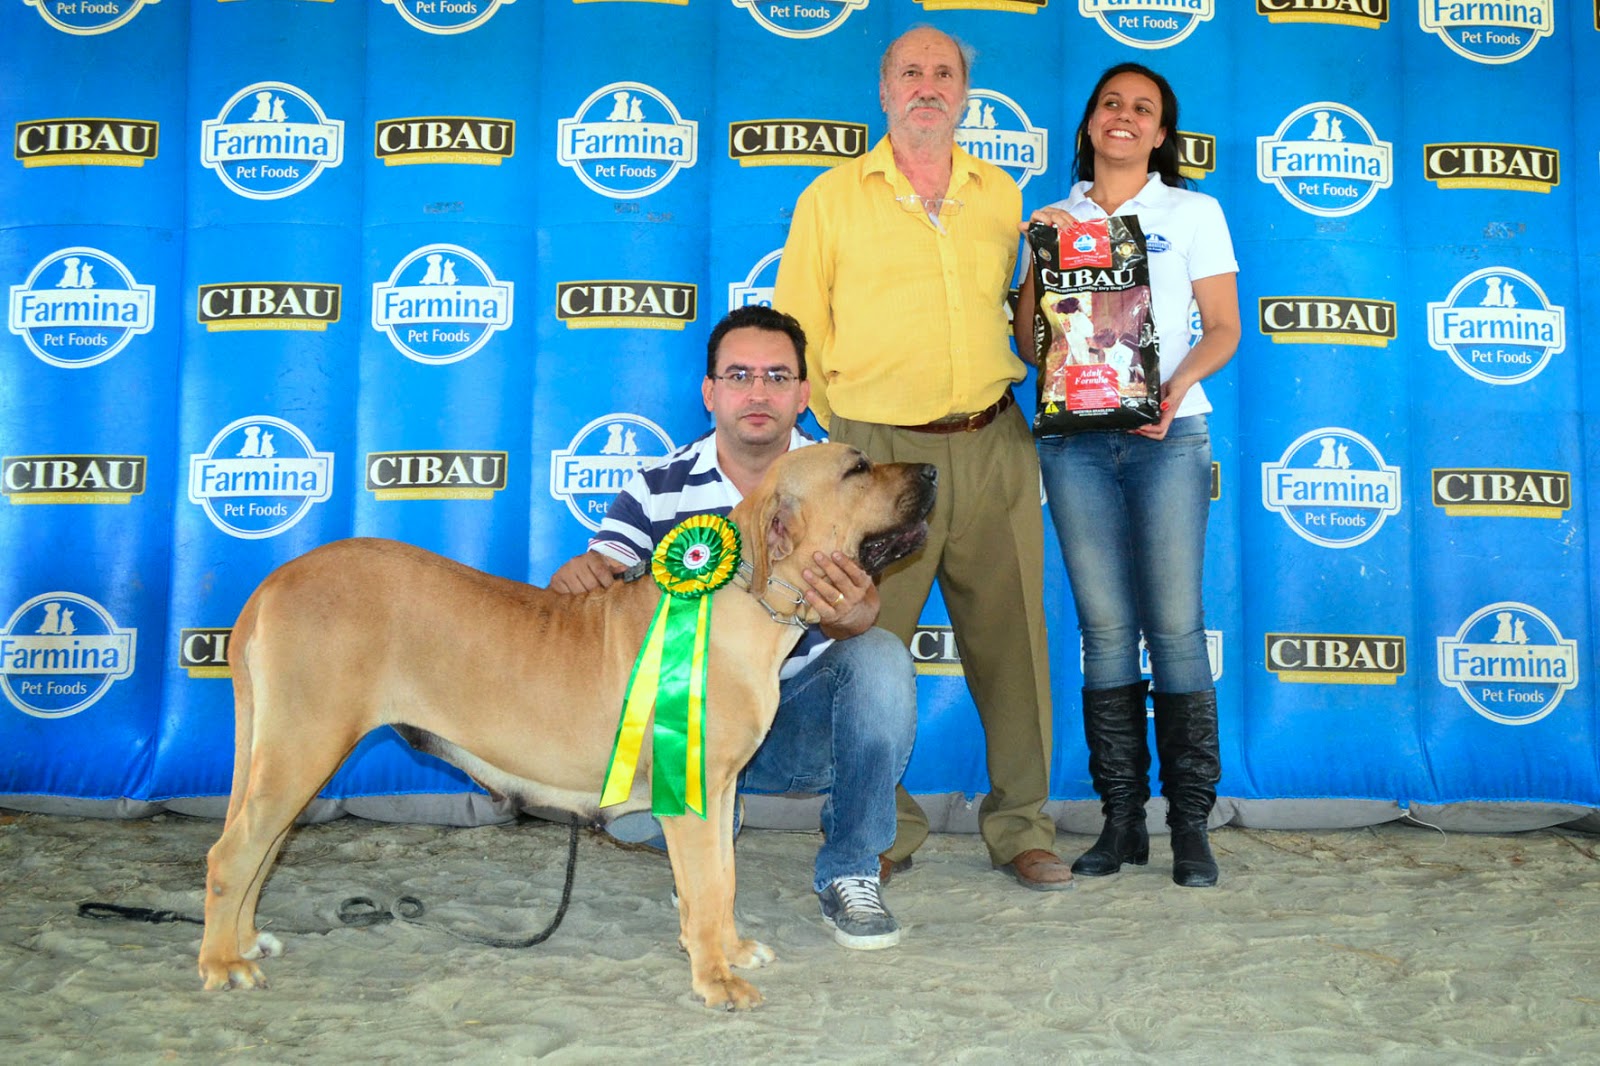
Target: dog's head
pixel 828 498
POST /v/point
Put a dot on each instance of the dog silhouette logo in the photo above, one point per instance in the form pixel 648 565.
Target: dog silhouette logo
pixel 80 306
pixel 1332 487
pixel 1498 326
pixel 259 476
pixel 271 140
pixel 598 462
pixel 996 129
pixel 1326 159
pixel 441 303
pixel 627 141
pixel 1509 662
pixel 60 652
pixel 446 17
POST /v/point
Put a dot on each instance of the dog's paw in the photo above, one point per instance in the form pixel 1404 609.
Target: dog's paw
pixel 750 954
pixel 728 993
pixel 234 973
pixel 266 946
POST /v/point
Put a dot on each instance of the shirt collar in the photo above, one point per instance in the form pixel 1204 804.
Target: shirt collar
pixel 880 160
pixel 1155 192
pixel 706 460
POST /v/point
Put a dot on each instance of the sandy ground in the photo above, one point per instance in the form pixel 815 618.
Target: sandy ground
pixel 1385 944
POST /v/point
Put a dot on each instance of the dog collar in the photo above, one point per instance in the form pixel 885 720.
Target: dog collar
pixel 746 577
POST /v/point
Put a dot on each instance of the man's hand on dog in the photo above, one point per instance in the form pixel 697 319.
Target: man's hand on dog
pixel 842 594
pixel 585 573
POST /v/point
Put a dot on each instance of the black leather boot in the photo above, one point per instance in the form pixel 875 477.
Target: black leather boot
pixel 1119 765
pixel 1191 766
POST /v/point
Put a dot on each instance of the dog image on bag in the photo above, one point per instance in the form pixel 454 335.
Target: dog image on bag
pixel 521 687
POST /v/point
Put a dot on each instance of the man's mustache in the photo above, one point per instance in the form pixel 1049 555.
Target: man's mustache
pixel 927 101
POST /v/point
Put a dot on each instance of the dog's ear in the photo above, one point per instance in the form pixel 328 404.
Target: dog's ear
pixel 775 538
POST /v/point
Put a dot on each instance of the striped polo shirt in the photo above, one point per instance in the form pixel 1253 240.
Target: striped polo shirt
pixel 684 484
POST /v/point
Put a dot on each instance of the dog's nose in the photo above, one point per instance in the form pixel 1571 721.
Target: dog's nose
pixel 929 473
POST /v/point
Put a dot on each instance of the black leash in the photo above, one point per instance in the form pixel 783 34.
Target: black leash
pixel 359 911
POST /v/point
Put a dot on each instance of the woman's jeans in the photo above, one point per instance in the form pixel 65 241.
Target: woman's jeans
pixel 1130 513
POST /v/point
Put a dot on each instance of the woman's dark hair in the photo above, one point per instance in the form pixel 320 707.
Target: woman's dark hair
pixel 759 316
pixel 1163 158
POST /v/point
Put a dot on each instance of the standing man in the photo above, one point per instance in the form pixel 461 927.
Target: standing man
pixel 847 703
pixel 898 266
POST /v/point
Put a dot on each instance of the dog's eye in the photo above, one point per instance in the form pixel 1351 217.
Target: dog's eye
pixel 863 466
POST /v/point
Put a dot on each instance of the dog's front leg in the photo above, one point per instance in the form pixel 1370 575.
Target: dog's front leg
pixel 705 905
pixel 743 953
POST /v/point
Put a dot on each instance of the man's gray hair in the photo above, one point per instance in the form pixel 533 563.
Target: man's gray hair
pixel 969 55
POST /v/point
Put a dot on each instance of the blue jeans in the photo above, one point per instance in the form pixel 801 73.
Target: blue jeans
pixel 1131 516
pixel 844 727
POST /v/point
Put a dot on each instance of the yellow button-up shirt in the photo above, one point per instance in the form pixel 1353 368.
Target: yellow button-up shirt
pixel 905 317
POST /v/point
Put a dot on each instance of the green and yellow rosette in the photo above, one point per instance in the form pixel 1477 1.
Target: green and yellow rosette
pixel 698 557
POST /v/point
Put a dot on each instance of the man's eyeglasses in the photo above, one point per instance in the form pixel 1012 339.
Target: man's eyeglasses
pixel 742 379
pixel 945 206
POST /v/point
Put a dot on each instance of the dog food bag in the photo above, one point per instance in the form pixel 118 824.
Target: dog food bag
pixel 1099 364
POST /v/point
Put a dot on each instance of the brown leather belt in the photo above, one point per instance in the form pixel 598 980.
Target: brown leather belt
pixel 966 423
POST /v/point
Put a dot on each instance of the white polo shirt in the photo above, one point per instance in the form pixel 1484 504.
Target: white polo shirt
pixel 1187 239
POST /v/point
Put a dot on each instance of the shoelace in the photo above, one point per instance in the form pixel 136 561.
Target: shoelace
pixel 859 894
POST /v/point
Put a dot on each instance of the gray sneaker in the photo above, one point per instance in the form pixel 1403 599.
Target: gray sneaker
pixel 854 907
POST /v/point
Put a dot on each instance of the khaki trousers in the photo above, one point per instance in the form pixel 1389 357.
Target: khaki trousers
pixel 986 548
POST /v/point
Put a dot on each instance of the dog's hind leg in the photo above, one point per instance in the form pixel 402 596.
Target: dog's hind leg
pixel 705 903
pixel 286 763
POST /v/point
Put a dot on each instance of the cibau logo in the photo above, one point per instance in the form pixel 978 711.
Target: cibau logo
pixel 602 456
pixel 447 16
pixel 90 479
pixel 60 652
pixel 994 128
pixel 90 142
pixel 1367 14
pixel 1509 662
pixel 271 140
pixel 1326 159
pixel 626 141
pixel 259 476
pixel 436 475
pixel 84 18
pixel 1498 326
pixel 1332 487
pixel 441 304
pixel 79 307
pixel 1148 23
pixel 1490 33
pixel 445 139
pixel 626 304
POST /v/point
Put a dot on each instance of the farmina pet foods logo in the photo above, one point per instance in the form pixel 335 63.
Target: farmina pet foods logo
pixel 1489 32
pixel 60 652
pixel 1509 662
pixel 601 459
pixel 627 141
pixel 994 128
pixel 757 286
pixel 1148 23
pixel 447 16
pixel 1498 326
pixel 84 18
pixel 801 18
pixel 79 307
pixel 441 304
pixel 1332 488
pixel 270 140
pixel 259 476
pixel 1326 159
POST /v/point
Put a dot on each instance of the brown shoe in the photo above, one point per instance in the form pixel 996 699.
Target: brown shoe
pixel 888 867
pixel 1040 870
